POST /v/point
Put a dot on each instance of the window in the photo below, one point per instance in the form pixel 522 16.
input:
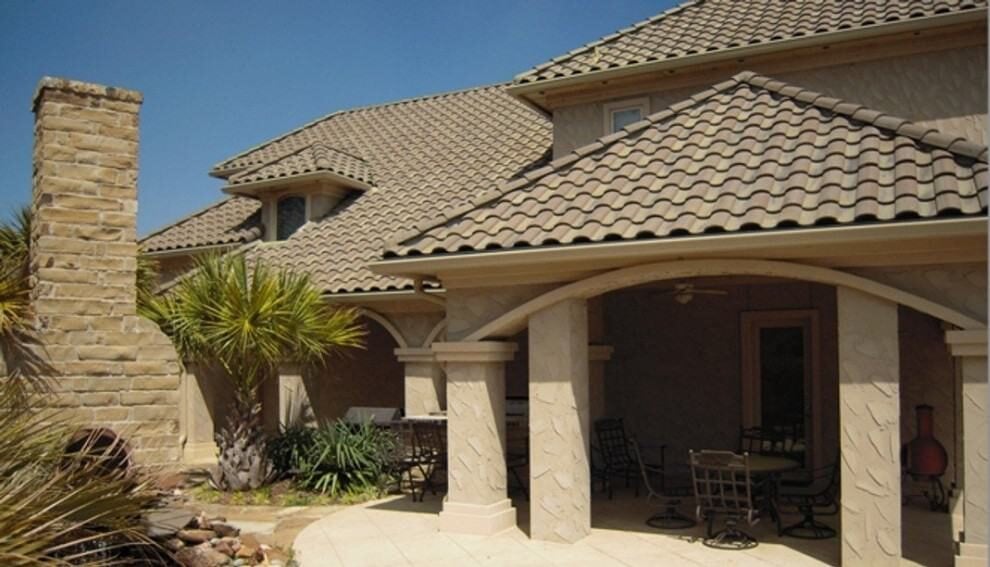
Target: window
pixel 289 216
pixel 620 114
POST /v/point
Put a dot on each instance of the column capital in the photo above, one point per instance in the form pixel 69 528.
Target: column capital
pixel 418 354
pixel 600 353
pixel 476 351
pixel 967 343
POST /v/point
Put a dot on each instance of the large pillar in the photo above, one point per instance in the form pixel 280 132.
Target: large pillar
pixel 559 429
pixel 425 391
pixel 477 501
pixel 970 350
pixel 869 416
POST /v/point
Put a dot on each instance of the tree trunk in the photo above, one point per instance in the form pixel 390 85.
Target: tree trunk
pixel 244 463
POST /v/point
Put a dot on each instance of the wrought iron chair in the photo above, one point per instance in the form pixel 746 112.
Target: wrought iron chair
pixel 406 457
pixel 517 455
pixel 613 446
pixel 820 496
pixel 431 442
pixel 761 441
pixel 723 485
pixel 669 495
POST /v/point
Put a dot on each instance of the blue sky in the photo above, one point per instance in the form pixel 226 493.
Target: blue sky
pixel 221 76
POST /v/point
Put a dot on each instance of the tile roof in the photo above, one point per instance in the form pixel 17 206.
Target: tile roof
pixel 234 220
pixel 749 153
pixel 428 154
pixel 707 26
pixel 313 158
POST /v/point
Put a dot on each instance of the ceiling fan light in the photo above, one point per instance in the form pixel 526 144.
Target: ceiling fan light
pixel 683 298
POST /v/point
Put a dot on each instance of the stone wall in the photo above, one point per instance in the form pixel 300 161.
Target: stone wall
pixel 114 369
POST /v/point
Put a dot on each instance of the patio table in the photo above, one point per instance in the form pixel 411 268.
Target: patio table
pixel 771 467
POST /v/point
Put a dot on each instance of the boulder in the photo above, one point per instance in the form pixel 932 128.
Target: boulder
pixel 225 530
pixel 194 536
pixel 166 522
pixel 201 556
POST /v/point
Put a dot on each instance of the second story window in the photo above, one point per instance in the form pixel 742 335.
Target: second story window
pixel 289 216
pixel 620 114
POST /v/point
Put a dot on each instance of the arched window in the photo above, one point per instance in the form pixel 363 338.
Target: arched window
pixel 290 215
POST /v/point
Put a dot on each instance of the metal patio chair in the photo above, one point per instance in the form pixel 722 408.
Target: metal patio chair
pixel 672 490
pixel 613 447
pixel 723 486
pixel 406 457
pixel 819 497
pixel 431 443
pixel 761 441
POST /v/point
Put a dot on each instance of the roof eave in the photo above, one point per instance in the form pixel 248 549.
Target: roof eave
pixel 524 90
pixel 726 243
pixel 253 188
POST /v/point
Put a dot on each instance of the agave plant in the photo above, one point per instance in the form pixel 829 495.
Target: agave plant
pixel 248 320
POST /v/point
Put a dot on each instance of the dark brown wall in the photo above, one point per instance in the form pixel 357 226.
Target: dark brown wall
pixel 675 373
pixel 369 377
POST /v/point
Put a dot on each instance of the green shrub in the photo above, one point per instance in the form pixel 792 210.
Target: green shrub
pixel 335 459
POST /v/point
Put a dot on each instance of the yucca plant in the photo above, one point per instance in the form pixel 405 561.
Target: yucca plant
pixel 247 321
pixel 339 457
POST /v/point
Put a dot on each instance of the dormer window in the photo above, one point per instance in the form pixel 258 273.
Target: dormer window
pixel 622 113
pixel 290 216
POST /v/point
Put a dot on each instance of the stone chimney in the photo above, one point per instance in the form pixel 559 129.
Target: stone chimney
pixel 114 369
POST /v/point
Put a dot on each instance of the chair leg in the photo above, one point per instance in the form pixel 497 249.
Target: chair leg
pixel 731 537
pixel 808 527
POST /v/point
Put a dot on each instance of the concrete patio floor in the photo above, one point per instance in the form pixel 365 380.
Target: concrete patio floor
pixel 397 531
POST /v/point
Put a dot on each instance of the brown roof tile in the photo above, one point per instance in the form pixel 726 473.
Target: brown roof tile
pixel 234 220
pixel 706 26
pixel 428 155
pixel 313 158
pixel 749 153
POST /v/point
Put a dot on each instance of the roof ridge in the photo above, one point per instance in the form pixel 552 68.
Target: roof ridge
pixel 187 218
pixel 217 169
pixel 606 39
pixel 861 113
pixel 929 136
pixel 571 157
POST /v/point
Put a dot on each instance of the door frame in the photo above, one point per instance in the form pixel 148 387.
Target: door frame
pixel 750 324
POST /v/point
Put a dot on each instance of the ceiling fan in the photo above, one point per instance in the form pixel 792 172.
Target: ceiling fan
pixel 683 293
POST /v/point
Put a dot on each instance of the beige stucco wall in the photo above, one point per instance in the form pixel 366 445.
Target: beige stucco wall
pixel 960 286
pixel 944 89
pixel 470 308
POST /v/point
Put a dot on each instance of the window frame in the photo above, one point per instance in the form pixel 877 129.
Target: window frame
pixel 640 103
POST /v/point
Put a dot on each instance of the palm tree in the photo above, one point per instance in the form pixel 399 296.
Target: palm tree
pixel 247 321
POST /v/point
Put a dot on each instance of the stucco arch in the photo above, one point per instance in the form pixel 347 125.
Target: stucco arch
pixel 515 320
pixel 435 333
pixel 400 339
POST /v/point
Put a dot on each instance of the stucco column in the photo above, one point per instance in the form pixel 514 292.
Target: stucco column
pixel 196 418
pixel 970 350
pixel 425 391
pixel 477 501
pixel 598 355
pixel 559 427
pixel 869 418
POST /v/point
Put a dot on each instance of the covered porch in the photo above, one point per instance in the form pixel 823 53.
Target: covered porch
pixel 620 345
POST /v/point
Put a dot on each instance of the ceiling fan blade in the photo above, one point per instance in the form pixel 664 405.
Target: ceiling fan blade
pixel 710 291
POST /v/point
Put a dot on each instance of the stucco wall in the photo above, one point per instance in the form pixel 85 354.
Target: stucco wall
pixel 913 87
pixel 960 286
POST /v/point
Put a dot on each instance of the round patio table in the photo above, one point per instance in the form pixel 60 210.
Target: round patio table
pixel 771 467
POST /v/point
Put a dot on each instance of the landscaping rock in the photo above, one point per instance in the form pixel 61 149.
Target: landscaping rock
pixel 173 544
pixel 196 536
pixel 166 522
pixel 225 547
pixel 246 551
pixel 201 556
pixel 225 530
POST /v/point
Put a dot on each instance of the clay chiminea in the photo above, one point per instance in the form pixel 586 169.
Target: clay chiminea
pixel 924 456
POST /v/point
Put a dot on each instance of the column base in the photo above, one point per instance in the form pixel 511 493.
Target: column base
pixel 200 453
pixel 971 555
pixel 477 519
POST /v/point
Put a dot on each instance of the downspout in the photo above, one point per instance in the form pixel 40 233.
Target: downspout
pixel 419 291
